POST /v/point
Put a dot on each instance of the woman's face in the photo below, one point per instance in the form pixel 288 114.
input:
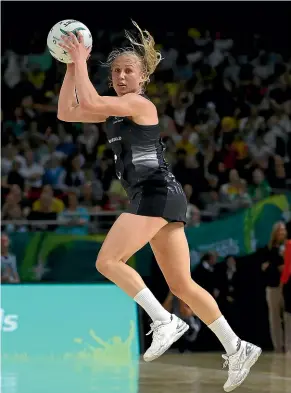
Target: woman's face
pixel 127 74
pixel 281 233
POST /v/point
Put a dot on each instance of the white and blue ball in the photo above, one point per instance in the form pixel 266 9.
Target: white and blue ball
pixel 62 28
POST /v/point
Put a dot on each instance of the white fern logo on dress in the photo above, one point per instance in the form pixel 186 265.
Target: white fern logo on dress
pixel 117 120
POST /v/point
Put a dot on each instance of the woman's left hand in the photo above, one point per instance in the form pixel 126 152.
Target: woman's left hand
pixel 75 47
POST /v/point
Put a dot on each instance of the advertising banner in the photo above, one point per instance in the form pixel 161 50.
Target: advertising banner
pixel 58 338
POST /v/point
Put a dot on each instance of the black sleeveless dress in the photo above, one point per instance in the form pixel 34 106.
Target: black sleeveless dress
pixel 140 165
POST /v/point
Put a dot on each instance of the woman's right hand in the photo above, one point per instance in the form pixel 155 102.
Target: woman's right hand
pixel 71 66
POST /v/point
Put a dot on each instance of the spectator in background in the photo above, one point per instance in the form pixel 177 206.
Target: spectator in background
pixel 204 273
pixel 231 190
pixel 36 76
pixel 74 220
pixel 179 108
pixel 91 197
pixel 9 272
pixel 226 282
pixel 14 176
pixel 15 64
pixel 10 206
pixel 32 172
pixel 243 199
pixel 53 172
pixel 250 125
pixel 210 160
pixel 167 124
pixel 15 198
pixel 272 269
pixel 72 178
pixel 66 145
pixel 18 124
pixel 44 210
pixel 88 142
pixel 185 142
pixel 47 201
pixel 105 172
pixel 241 149
pixel 9 154
pixel 263 68
pixel 48 150
pixel 193 213
pixel 179 169
pixel 117 196
pixel 259 149
pixel 277 173
pixel 12 211
pixel 260 188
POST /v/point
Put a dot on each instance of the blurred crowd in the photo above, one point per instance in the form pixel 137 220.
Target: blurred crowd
pixel 225 117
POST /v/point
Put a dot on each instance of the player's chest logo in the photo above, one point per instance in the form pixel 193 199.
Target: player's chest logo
pixel 117 119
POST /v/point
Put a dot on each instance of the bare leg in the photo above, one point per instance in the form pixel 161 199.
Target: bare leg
pixel 128 234
pixel 172 254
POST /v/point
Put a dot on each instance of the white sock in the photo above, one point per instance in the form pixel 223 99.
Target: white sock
pixel 225 335
pixel 152 306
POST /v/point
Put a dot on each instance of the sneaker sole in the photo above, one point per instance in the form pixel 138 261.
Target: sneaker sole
pixel 248 364
pixel 178 334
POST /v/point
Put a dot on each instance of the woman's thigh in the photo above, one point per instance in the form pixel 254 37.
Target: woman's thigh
pixel 129 234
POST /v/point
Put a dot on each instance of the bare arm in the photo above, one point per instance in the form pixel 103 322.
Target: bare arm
pixel 131 104
pixel 69 109
pixel 67 98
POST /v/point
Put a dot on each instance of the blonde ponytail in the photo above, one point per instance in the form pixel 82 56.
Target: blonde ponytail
pixel 146 46
pixel 143 48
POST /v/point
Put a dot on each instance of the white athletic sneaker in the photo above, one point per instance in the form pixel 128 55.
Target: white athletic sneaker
pixel 164 335
pixel 239 364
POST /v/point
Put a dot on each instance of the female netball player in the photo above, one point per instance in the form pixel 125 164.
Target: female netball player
pixel 157 202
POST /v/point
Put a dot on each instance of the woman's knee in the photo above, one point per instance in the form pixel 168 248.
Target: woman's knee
pixel 104 264
pixel 181 287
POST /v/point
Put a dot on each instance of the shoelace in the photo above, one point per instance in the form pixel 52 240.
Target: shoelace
pixel 226 363
pixel 155 329
pixel 233 366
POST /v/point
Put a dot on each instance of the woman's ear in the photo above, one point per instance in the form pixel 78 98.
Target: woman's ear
pixel 143 78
